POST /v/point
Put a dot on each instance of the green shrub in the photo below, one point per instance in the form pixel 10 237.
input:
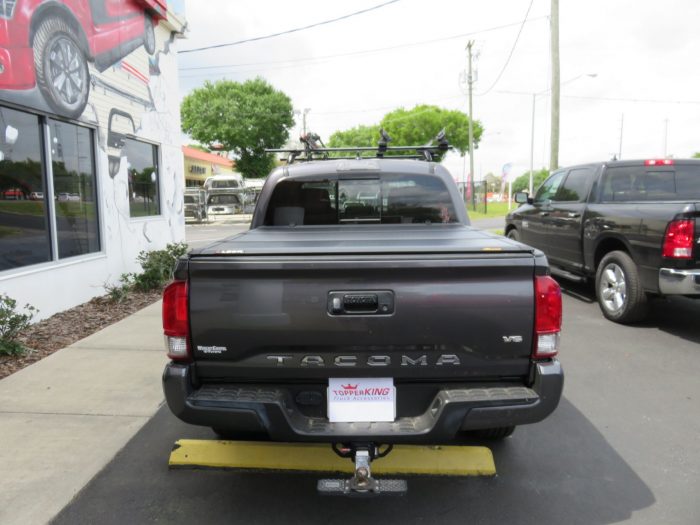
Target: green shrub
pixel 158 267
pixel 12 323
pixel 119 292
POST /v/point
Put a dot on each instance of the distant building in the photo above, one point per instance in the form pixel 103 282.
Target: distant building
pixel 199 165
pixel 91 169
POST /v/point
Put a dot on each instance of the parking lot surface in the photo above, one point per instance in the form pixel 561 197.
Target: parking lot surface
pixel 621 446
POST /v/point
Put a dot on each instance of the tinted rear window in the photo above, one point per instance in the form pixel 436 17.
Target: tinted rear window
pixel 224 199
pixel 391 199
pixel 223 184
pixel 653 183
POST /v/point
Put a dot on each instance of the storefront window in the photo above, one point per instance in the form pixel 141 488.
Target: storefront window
pixel 74 189
pixel 142 168
pixel 29 234
pixel 24 226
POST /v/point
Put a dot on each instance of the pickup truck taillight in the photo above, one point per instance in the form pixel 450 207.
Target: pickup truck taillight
pixel 547 317
pixel 678 241
pixel 176 326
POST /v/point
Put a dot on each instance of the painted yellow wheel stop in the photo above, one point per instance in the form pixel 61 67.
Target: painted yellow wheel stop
pixel 404 459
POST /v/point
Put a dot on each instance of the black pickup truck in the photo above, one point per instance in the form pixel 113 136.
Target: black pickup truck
pixel 362 309
pixel 632 226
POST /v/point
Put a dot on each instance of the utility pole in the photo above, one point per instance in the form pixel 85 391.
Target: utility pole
pixel 532 144
pixel 303 118
pixel 554 28
pixel 622 124
pixel 470 81
pixel 665 138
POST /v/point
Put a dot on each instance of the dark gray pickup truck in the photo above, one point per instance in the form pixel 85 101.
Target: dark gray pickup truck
pixel 362 309
pixel 630 226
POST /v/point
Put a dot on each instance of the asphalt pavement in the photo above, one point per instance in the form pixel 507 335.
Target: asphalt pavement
pixel 622 445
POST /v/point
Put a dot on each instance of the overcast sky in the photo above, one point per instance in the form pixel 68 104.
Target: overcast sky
pixel 643 51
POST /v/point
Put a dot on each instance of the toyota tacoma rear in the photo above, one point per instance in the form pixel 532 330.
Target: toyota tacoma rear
pixel 359 308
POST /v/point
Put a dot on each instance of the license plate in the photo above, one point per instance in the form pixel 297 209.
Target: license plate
pixel 356 400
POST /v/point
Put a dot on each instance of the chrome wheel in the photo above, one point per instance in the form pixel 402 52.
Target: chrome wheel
pixel 613 288
pixel 67 74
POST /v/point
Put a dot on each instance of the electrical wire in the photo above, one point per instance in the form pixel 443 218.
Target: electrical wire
pixel 510 55
pixel 288 31
pixel 611 99
pixel 363 52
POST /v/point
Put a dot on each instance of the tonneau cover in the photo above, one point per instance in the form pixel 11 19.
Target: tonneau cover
pixel 363 239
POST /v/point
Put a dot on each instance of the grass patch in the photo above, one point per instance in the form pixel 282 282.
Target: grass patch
pixel 143 209
pixel 493 209
pixel 36 208
pixel 23 207
pixel 8 232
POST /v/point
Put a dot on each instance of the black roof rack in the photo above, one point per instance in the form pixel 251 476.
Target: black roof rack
pixel 315 149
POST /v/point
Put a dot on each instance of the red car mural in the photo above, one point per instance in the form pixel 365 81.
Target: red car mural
pixel 49 43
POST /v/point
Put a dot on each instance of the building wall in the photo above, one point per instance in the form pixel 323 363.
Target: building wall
pixel 197 171
pixel 132 95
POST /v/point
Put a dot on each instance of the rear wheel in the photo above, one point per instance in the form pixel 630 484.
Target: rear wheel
pixel 513 234
pixel 495 433
pixel 619 290
pixel 61 67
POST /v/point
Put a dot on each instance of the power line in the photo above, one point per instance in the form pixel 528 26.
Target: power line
pixel 638 100
pixel 363 52
pixel 512 50
pixel 295 30
pixel 610 99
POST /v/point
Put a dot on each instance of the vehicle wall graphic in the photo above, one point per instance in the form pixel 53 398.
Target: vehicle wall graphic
pixel 109 64
pixel 88 60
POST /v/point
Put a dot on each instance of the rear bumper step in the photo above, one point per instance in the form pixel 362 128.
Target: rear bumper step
pixel 270 410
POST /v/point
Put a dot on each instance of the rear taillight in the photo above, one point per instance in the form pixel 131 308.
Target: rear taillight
pixel 678 241
pixel 176 326
pixel 547 317
pixel 658 162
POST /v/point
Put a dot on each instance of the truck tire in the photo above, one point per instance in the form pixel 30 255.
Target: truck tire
pixel 149 36
pixel 496 433
pixel 513 234
pixel 61 67
pixel 619 290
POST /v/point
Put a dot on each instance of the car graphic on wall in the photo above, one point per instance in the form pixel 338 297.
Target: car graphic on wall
pixel 49 43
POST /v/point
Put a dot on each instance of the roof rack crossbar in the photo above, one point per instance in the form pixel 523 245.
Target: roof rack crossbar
pixel 315 149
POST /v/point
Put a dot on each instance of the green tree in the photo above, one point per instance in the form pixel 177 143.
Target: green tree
pixel 696 155
pixel 422 123
pixel 244 118
pixel 522 183
pixel 199 147
pixel 413 127
pixel 358 136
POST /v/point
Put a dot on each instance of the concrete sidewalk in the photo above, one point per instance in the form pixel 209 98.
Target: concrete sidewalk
pixel 65 417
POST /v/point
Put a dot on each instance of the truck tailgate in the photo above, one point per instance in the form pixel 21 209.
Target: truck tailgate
pixel 459 305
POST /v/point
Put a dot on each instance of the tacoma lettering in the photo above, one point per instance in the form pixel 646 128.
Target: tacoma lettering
pixel 348 361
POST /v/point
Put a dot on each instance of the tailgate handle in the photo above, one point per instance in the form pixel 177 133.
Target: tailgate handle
pixel 361 303
pixel 364 303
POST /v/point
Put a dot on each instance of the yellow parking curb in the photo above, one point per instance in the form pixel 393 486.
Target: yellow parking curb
pixel 404 459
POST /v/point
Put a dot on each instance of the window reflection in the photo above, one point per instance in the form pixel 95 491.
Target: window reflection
pixel 142 169
pixel 74 189
pixel 24 230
